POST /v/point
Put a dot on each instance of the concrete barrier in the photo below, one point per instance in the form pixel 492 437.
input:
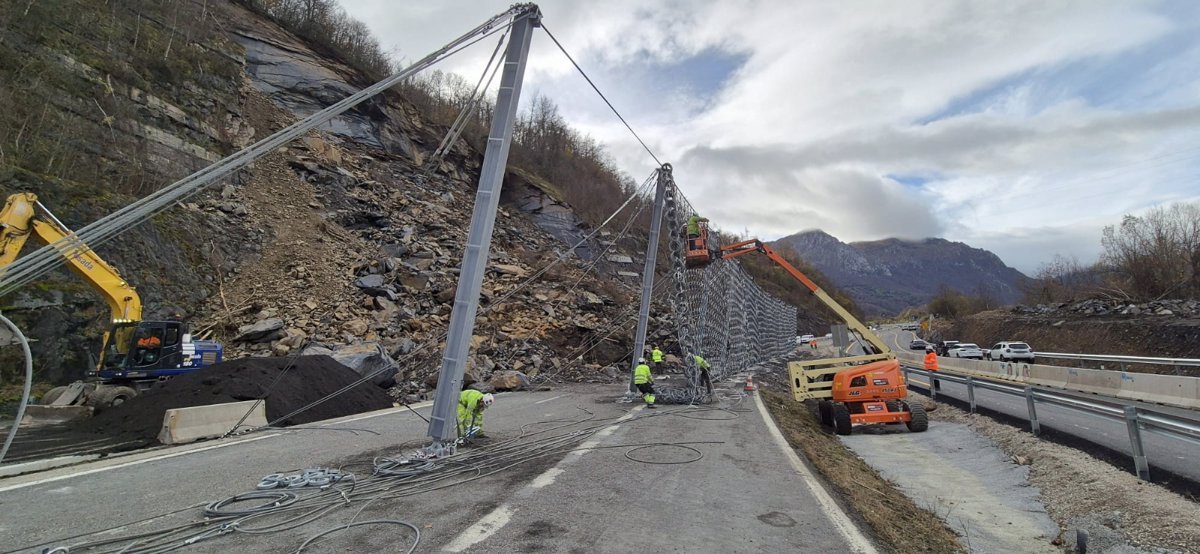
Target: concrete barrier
pixel 181 425
pixel 1171 390
pixel 40 414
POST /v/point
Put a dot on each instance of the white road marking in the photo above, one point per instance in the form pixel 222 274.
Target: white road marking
pixel 175 454
pixel 482 529
pixel 133 463
pixel 551 398
pixel 498 518
pixel 841 522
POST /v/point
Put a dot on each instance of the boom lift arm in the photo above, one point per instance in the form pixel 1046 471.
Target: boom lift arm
pixel 755 245
pixel 18 222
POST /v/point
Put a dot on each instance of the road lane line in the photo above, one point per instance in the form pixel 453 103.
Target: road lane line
pixel 841 522
pixel 551 398
pixel 347 419
pixel 133 463
pixel 498 518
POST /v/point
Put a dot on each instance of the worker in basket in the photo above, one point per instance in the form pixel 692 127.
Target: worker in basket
pixel 694 231
pixel 644 381
pixel 471 404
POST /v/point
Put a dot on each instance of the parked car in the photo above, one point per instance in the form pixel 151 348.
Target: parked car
pixel 943 347
pixel 1012 351
pixel 910 327
pixel 966 350
pixel 804 339
pixel 918 344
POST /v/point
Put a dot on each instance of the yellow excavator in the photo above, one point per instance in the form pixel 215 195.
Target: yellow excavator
pixel 135 353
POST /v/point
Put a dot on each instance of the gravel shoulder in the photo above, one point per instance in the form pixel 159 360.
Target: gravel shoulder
pixel 1120 513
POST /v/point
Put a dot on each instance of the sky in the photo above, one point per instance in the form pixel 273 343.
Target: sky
pixel 1023 126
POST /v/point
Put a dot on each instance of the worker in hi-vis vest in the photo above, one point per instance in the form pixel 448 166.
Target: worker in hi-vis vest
pixel 644 381
pixel 471 404
pixel 931 365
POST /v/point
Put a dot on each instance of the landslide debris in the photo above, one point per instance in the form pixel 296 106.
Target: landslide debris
pixel 286 383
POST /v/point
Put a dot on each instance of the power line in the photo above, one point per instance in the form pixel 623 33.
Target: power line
pixel 602 97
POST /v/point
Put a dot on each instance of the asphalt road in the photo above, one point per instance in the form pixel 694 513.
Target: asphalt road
pixel 743 495
pixel 1163 452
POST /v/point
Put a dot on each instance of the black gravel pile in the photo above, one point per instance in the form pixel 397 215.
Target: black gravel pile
pixel 308 378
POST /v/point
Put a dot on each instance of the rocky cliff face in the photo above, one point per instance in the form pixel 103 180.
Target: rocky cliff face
pixel 887 276
pixel 343 237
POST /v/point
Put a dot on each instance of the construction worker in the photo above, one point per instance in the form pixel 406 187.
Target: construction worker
pixel 693 230
pixel 701 362
pixel 644 382
pixel 931 365
pixel 656 356
pixel 471 404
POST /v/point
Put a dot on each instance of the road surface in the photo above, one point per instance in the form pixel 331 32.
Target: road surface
pixel 745 494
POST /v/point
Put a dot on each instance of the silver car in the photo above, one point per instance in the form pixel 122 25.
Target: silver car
pixel 966 350
pixel 1012 351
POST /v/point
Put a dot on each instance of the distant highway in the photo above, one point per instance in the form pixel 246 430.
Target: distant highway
pixel 1164 453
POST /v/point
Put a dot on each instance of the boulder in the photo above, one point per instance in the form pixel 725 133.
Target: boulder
pixel 266 330
pixel 509 380
pixel 357 327
pixel 367 358
pixel 507 269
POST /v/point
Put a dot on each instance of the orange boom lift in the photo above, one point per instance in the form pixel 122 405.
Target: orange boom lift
pixel 855 390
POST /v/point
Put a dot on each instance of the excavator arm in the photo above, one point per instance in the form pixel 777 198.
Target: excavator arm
pixel 755 245
pixel 18 222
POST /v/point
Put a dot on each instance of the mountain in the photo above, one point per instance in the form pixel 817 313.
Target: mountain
pixel 887 276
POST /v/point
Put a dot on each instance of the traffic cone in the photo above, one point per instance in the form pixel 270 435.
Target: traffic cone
pixel 749 384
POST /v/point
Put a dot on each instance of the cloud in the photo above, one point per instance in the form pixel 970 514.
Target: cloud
pixel 1020 126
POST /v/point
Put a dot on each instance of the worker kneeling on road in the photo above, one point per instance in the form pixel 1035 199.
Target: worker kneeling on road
pixel 471 404
pixel 644 381
pixel 931 365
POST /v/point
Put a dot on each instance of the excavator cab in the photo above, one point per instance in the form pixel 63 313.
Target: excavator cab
pixel 699 248
pixel 153 349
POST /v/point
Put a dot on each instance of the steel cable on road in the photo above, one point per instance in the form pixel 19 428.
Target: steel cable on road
pixel 427 476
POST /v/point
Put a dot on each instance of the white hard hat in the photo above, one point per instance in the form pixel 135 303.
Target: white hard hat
pixel 641 360
pixel 488 399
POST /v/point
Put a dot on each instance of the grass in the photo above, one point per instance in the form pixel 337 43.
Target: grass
pixel 898 523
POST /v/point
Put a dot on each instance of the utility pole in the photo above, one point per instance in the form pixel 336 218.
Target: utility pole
pixel 639 339
pixel 443 423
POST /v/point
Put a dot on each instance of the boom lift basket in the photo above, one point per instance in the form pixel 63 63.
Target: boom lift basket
pixel 698 252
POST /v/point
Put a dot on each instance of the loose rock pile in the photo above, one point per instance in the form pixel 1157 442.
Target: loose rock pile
pixel 1177 308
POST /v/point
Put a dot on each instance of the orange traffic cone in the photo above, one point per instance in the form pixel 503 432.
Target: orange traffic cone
pixel 749 384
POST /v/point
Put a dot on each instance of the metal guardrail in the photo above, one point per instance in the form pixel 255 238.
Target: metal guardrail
pixel 1137 419
pixel 1177 362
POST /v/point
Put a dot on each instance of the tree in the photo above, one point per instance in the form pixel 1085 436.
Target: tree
pixel 1157 254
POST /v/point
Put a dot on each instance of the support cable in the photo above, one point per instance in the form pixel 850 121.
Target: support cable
pixel 602 97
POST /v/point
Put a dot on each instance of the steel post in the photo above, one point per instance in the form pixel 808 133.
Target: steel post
pixel 442 424
pixel 1034 426
pixel 1140 464
pixel 639 339
pixel 971 392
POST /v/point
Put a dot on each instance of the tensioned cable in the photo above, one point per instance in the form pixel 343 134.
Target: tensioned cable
pixel 44 259
pixel 468 108
pixel 602 97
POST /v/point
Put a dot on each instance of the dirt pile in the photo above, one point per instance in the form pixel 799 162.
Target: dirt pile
pixel 303 380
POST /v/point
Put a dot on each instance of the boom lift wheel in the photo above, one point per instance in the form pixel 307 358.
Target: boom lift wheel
pixel 841 419
pixel 825 411
pixel 919 421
